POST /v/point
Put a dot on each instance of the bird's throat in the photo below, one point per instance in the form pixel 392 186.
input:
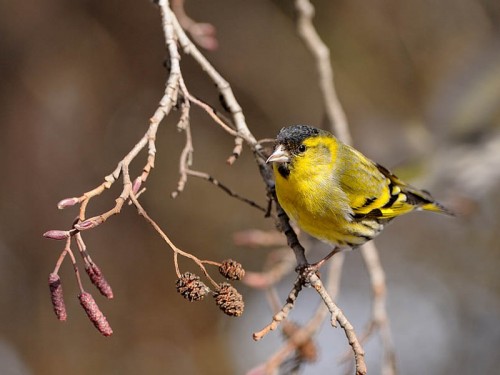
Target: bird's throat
pixel 283 170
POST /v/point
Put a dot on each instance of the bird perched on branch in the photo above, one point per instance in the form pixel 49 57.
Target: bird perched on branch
pixel 334 192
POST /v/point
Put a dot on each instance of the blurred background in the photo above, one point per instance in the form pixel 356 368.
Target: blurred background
pixel 420 83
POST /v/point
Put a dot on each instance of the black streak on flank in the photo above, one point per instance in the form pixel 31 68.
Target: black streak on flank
pixel 373 214
pixel 368 202
pixel 391 201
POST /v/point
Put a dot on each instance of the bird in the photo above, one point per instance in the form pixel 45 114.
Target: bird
pixel 335 193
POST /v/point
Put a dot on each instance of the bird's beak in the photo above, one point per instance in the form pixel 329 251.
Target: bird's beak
pixel 279 155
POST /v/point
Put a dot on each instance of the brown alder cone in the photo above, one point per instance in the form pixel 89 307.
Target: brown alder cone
pixel 231 270
pixel 191 288
pixel 229 300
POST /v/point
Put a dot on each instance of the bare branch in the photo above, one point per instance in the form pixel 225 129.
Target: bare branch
pixel 202 33
pixel 321 53
pixel 304 334
pixel 212 180
pixel 379 316
pixel 283 313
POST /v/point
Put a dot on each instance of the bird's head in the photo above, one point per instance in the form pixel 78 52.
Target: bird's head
pixel 299 142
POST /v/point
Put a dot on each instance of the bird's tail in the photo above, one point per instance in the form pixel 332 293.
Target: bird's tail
pixel 423 200
pixel 437 207
pixel 419 199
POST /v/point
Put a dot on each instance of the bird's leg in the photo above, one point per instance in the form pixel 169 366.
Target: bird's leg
pixel 317 265
pixel 306 270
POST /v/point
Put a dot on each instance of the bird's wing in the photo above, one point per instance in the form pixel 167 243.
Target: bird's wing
pixel 413 197
pixel 373 191
pixel 376 193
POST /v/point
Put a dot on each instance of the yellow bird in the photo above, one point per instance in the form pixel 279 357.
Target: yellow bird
pixel 335 193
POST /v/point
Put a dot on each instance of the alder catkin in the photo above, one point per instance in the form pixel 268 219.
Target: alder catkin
pixel 56 296
pixel 98 280
pixel 95 314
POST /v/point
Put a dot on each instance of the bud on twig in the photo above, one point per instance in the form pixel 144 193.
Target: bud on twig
pixel 136 185
pixel 229 300
pixel 68 202
pixel 191 288
pixel 56 296
pixel 204 35
pixel 98 280
pixel 89 223
pixel 231 270
pixel 57 234
pixel 95 314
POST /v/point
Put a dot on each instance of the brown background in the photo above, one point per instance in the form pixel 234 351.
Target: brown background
pixel 420 82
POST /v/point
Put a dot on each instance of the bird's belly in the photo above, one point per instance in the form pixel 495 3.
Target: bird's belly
pixel 338 231
pixel 328 221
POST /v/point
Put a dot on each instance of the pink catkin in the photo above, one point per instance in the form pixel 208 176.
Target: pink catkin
pixel 98 280
pixel 56 296
pixel 95 314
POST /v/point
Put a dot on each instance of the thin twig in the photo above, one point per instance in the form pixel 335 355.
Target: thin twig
pixel 379 316
pixel 174 248
pixel 212 113
pixel 212 180
pixel 320 51
pixel 283 313
pixel 62 256
pixel 186 157
pixel 202 33
pixel 83 249
pixel 302 335
pixel 166 104
pixel 225 90
pixel 338 316
pixel 75 268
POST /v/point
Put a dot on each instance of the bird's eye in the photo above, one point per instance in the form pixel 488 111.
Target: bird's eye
pixel 302 148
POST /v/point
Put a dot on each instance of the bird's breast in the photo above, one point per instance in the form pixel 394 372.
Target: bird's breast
pixel 316 203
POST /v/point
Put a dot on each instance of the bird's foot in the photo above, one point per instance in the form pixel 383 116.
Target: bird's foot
pixel 305 271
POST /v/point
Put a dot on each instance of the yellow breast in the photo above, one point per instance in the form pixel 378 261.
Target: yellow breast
pixel 311 196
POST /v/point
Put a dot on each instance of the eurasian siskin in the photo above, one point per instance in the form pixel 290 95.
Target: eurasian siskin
pixel 334 192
